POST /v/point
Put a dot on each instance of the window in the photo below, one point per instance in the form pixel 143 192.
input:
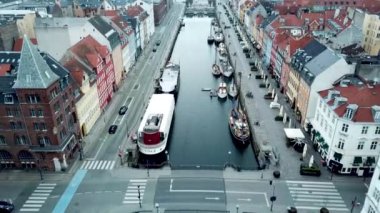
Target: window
pixel 35 126
pixel 13 125
pixel 8 99
pixel 43 141
pixel 40 113
pixel 32 112
pixel 2 140
pixel 33 99
pixel 43 126
pixel 371 209
pixel 9 112
pixel 21 140
pixel 341 143
pixel 377 130
pixel 360 144
pixel 376 194
pixel 373 145
pixel 364 129
pixel 345 128
pixel 57 107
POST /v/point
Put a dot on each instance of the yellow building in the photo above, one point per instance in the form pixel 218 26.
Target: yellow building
pixel 371 34
pixel 292 87
pixel 243 8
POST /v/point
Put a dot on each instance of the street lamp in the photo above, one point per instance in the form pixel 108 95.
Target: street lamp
pixel 157 206
pixel 229 158
pixel 39 169
pixel 237 208
pixel 167 157
pixel 273 197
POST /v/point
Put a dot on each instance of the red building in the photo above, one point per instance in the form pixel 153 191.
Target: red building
pixel 97 58
pixel 38 125
pixel 160 9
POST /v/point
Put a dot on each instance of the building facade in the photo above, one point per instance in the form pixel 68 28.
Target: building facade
pixel 346 126
pixel 38 118
pixel 371 34
pixel 372 200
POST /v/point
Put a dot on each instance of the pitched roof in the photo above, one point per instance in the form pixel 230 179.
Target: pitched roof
pixel 90 51
pixel 18 43
pixel 319 64
pixel 312 49
pixel 134 11
pixel 33 71
pixel 293 43
pixel 106 30
pixel 4 69
pixel 363 96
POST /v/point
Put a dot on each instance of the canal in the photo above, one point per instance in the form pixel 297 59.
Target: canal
pixel 200 136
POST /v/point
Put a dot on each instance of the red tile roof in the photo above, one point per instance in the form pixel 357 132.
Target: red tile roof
pixel 293 43
pixel 90 51
pixel 111 13
pixel 134 11
pixel 18 43
pixel 76 70
pixel 363 96
pixel 4 68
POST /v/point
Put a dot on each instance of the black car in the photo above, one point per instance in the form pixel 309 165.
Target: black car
pixel 158 42
pixel 123 110
pixel 154 49
pixel 112 129
pixel 6 206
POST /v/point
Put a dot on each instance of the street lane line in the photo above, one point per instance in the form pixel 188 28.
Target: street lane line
pixel 311 182
pixel 104 165
pixel 245 192
pixel 84 164
pixel 35 201
pixel 40 194
pixel 32 205
pixel 244 199
pixel 108 163
pixel 139 184
pixel 308 189
pixel 130 202
pixel 136 187
pixel 199 191
pixel 138 180
pixel 38 190
pixel 318 208
pixel 47 184
pixel 317 193
pixel 37 198
pixel 316 196
pixel 112 165
pixel 132 190
pixel 45 187
pixel 100 164
pixel 133 194
pixel 90 165
pixel 327 205
pixel 131 198
pixel 318 200
pixel 212 198
pixel 29 210
pixel 100 147
pixel 94 165
pixel 316 186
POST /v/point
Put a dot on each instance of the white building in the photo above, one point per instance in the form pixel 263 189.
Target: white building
pixel 347 126
pixel 148 6
pixel 372 200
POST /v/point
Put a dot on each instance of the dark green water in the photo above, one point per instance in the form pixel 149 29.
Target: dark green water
pixel 200 136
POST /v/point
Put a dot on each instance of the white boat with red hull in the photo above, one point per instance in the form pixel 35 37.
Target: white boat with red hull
pixel 153 132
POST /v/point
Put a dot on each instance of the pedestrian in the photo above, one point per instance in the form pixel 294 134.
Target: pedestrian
pixel 249 75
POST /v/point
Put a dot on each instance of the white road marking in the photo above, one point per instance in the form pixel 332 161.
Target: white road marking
pixel 212 198
pixel 29 210
pixel 32 205
pixel 318 200
pixel 101 145
pixel 37 190
pixel 35 201
pixel 317 193
pixel 291 181
pixel 130 202
pixel 318 208
pixel 317 196
pixel 314 189
pixel 137 180
pixel 244 199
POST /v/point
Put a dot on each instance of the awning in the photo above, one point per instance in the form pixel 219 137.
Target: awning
pixel 358 160
pixel 292 133
pixel 325 146
pixel 370 161
pixel 338 156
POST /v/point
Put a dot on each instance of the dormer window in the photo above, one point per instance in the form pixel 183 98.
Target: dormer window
pixel 348 114
pixel 8 99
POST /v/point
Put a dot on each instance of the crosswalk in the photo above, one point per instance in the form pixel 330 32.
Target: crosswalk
pixel 38 197
pixel 310 195
pixel 133 189
pixel 98 164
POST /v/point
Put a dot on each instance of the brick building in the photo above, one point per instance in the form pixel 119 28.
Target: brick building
pixel 38 125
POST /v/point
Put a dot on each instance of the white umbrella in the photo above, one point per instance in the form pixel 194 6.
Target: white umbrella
pixel 290 123
pixel 281 110
pixel 275 98
pixel 304 151
pixel 311 162
pixel 284 119
pixel 273 92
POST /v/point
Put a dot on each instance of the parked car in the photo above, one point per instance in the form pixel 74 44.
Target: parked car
pixel 123 110
pixel 6 206
pixel 154 49
pixel 313 170
pixel 158 42
pixel 112 129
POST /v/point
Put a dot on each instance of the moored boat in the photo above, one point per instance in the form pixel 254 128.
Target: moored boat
pixel 153 132
pixel 222 90
pixel 232 90
pixel 210 39
pixel 218 38
pixel 169 81
pixel 226 69
pixel 239 128
pixel 216 70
